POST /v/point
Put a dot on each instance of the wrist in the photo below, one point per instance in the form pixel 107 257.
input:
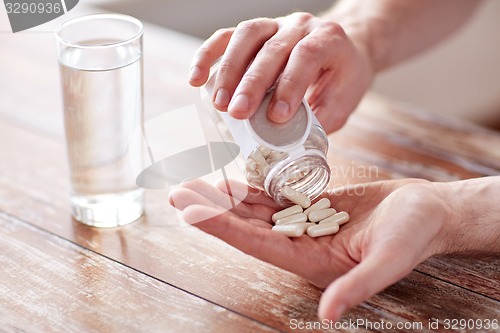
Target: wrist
pixel 473 223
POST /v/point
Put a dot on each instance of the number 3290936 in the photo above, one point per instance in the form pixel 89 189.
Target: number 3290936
pixel 32 8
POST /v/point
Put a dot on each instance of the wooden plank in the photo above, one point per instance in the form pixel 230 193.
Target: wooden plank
pixel 474 272
pixel 184 256
pixel 422 300
pixel 48 284
pixel 401 143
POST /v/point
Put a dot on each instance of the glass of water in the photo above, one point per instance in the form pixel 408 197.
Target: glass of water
pixel 100 59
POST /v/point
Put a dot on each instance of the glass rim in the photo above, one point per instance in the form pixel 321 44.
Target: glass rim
pixel 120 17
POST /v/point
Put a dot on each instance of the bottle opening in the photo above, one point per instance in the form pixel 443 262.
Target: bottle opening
pixel 309 174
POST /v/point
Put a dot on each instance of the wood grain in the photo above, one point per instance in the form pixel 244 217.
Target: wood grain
pixel 399 140
pixel 48 284
pixel 187 258
pixel 480 273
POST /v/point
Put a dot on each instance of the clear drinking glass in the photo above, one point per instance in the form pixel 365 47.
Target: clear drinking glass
pixel 100 60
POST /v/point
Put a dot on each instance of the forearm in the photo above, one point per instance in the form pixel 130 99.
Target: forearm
pixel 392 30
pixel 474 223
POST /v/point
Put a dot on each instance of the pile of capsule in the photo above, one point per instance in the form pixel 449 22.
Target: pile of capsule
pixel 260 161
pixel 294 221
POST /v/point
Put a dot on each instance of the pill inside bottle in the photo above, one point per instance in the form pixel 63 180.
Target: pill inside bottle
pixel 291 154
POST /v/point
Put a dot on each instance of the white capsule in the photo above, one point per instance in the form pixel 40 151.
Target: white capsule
pixel 294 178
pixel 274 156
pixel 318 215
pixel 297 176
pixel 254 178
pixel 296 218
pixel 286 212
pixel 321 204
pixel 339 218
pixel 292 230
pixel 250 165
pixel 265 170
pixel 265 151
pixel 295 197
pixel 323 229
pixel 257 157
pixel 253 173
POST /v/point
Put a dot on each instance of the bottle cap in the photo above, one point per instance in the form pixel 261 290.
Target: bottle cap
pixel 280 136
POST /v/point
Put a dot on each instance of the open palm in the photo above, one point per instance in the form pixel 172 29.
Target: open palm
pixel 392 228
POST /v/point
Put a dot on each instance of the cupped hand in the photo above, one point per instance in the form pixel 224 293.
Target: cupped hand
pixel 305 55
pixel 394 225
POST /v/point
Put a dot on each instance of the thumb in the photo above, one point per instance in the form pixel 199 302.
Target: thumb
pixel 375 272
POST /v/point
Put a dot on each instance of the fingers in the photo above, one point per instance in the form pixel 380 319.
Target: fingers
pixel 261 243
pixel 376 272
pixel 307 58
pixel 182 198
pixel 338 90
pixel 245 42
pixel 212 194
pixel 334 103
pixel 330 104
pixel 306 54
pixel 247 194
pixel 303 53
pixel 266 67
pixel 211 50
pixel 199 192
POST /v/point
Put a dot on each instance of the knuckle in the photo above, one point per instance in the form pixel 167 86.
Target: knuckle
pixel 227 67
pixel 249 26
pixel 205 52
pixel 308 48
pixel 290 82
pixel 253 78
pixel 277 47
pixel 303 17
pixel 332 28
pixel 255 26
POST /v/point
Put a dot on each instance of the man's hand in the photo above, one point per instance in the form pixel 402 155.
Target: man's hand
pixel 394 226
pixel 302 52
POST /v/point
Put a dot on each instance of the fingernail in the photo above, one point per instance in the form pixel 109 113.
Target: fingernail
pixel 280 111
pixel 222 97
pixel 239 104
pixel 194 73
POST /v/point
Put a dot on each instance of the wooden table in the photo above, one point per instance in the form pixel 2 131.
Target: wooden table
pixel 154 275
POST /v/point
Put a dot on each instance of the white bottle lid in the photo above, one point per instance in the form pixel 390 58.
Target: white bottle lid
pixel 286 137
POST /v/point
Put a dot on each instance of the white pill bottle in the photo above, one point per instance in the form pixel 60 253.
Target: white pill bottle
pixel 276 155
